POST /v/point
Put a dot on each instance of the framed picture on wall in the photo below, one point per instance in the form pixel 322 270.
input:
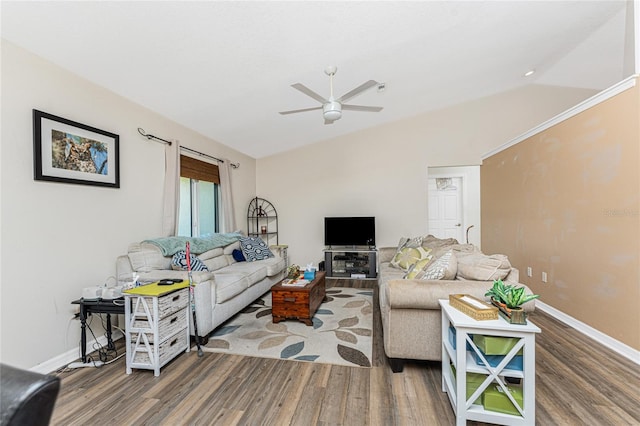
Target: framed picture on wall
pixel 69 152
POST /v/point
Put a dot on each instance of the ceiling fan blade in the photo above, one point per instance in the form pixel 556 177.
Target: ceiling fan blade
pixel 364 86
pixel 300 110
pixel 362 108
pixel 304 89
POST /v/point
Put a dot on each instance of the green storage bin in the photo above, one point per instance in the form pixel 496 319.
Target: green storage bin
pixel 474 380
pixel 493 345
pixel 494 399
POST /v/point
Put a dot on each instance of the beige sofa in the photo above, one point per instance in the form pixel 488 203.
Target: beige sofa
pixel 411 316
pixel 226 288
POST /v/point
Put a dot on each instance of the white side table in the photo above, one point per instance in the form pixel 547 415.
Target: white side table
pixel 157 325
pixel 464 361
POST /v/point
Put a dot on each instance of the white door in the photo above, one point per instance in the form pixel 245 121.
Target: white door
pixel 445 208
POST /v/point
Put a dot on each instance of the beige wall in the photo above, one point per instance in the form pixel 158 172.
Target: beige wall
pixel 566 202
pixel 382 172
pixel 59 238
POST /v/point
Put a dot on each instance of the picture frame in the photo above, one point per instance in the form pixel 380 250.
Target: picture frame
pixel 66 151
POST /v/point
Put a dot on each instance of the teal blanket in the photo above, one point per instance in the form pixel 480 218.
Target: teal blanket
pixel 171 245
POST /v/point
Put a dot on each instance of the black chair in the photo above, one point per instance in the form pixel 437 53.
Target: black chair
pixel 26 398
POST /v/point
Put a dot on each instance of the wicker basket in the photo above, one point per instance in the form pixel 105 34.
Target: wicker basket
pixel 485 313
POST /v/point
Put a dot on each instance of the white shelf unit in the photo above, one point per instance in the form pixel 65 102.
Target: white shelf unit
pixel 157 329
pixel 464 362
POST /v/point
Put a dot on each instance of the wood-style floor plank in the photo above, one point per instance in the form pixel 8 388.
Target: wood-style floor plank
pixel 578 382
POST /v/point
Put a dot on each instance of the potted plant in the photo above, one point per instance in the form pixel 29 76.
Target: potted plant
pixel 509 299
pixel 293 272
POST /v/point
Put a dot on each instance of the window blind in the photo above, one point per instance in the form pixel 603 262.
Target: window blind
pixel 200 170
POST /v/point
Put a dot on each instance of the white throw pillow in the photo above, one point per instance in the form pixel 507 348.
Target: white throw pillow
pixel 480 267
pixel 443 268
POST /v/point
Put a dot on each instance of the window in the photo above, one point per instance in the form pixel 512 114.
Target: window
pixel 199 198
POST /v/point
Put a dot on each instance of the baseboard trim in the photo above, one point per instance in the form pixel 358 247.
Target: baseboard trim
pixel 627 351
pixel 72 355
pixel 598 336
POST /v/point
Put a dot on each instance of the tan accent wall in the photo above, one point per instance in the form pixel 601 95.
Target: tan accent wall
pixel 566 202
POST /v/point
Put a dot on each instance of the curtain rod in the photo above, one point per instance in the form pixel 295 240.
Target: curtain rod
pixel 150 137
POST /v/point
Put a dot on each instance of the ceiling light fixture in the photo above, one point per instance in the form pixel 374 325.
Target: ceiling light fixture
pixel 529 73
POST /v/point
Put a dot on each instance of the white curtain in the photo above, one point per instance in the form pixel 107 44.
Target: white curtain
pixel 228 212
pixel 171 189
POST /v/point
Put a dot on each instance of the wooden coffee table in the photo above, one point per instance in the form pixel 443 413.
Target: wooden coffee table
pixel 301 303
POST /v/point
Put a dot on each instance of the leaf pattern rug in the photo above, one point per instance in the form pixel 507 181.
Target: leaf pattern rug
pixel 341 332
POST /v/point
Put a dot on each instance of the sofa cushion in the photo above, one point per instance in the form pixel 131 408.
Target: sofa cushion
pixel 229 285
pixel 254 249
pixel 231 247
pixel 442 268
pixel 481 267
pixel 275 265
pixel 406 257
pixel 145 257
pixel 214 259
pixel 210 254
pixel 216 263
pixel 410 242
pixel 179 262
pixel 254 271
pixel 432 242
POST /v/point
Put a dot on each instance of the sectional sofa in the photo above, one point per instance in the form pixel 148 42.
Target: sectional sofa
pixel 411 317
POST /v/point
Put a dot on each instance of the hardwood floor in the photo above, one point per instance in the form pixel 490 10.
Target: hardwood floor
pixel 578 382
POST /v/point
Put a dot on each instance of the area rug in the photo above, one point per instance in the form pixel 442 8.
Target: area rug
pixel 341 332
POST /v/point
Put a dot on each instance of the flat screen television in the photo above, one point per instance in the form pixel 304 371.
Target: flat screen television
pixel 350 231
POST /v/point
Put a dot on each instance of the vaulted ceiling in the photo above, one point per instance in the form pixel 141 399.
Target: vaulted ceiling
pixel 225 69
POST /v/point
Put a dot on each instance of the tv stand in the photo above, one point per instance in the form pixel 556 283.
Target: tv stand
pixel 354 263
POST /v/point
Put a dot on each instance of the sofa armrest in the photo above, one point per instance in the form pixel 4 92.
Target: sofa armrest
pixel 26 397
pixel 424 294
pixel 197 276
pixel 203 293
pixel 124 270
pixel 385 254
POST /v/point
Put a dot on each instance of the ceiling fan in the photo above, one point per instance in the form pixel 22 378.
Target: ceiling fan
pixel 332 107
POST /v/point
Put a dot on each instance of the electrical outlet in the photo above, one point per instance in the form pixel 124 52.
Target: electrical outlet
pixel 529 271
pixel 544 277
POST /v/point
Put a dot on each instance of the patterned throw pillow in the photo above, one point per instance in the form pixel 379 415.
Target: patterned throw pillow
pixel 179 262
pixel 443 268
pixel 418 268
pixel 410 242
pixel 408 256
pixel 255 249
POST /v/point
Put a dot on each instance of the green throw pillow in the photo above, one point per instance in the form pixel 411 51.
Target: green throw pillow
pixel 409 256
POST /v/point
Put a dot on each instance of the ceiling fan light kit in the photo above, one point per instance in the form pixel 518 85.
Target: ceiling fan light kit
pixel 332 108
pixel 332 111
